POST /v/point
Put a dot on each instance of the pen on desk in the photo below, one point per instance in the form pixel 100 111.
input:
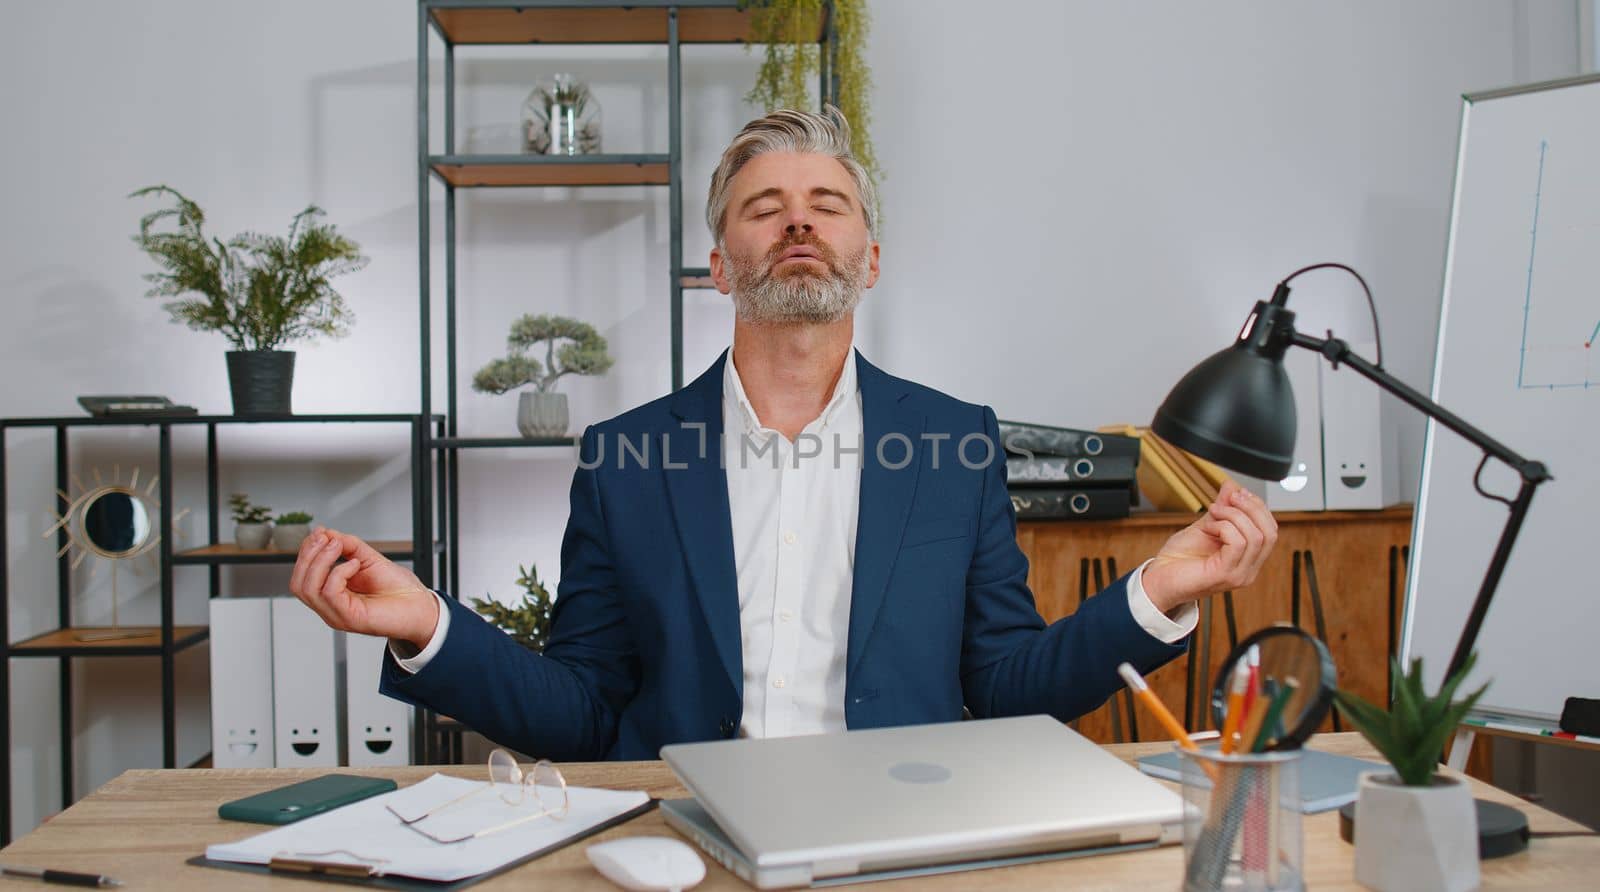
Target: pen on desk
pixel 64 877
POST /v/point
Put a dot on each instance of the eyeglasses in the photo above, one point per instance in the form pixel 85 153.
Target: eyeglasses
pixel 543 783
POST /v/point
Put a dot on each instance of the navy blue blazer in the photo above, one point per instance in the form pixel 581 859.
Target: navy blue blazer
pixel 645 647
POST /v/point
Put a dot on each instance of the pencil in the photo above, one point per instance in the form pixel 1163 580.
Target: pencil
pixel 1252 723
pixel 1235 709
pixel 1274 712
pixel 1141 689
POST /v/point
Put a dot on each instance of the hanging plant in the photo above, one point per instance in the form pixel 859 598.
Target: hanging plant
pixel 788 31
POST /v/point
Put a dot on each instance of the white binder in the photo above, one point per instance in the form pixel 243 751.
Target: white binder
pixel 1359 469
pixel 1302 489
pixel 377 728
pixel 241 683
pixel 305 686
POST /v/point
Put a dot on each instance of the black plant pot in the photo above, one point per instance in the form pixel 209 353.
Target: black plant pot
pixel 261 381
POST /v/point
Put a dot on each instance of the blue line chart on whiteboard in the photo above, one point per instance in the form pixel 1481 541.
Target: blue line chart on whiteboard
pixel 1560 312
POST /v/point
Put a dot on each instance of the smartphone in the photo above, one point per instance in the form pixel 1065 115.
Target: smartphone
pixel 286 805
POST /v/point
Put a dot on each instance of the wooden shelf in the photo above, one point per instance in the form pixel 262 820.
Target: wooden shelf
pixel 640 22
pixel 465 171
pixel 229 553
pixel 144 640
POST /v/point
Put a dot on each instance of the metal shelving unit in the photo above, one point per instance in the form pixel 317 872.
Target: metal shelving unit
pixel 673 23
pixel 167 639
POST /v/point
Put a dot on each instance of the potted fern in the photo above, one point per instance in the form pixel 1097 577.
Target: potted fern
pixel 260 291
pixel 542 412
pixel 527 623
pixel 1416 829
pixel 252 524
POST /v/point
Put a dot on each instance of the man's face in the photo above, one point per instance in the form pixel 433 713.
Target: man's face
pixel 796 247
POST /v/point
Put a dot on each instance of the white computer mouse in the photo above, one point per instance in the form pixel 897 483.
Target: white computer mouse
pixel 648 863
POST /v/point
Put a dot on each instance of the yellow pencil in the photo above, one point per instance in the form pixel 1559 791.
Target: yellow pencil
pixel 1141 689
pixel 1235 710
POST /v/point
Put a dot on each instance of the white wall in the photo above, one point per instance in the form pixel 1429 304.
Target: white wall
pixel 1082 200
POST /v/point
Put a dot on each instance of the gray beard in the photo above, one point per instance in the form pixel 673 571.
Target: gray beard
pixel 800 296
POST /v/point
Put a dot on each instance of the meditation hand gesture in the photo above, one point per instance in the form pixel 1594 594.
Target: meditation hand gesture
pixel 367 594
pixel 1222 551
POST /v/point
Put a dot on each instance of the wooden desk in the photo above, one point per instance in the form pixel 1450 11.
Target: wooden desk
pixel 142 826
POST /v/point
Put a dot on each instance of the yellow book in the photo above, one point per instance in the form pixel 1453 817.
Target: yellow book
pixel 1158 480
pixel 1211 472
pixel 1183 462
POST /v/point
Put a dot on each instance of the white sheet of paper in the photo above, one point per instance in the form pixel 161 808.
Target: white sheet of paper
pixel 367 833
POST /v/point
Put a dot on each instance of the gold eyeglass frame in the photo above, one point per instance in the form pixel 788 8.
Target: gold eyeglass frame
pixel 523 781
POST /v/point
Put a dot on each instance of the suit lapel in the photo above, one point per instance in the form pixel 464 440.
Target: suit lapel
pixel 697 486
pixel 892 434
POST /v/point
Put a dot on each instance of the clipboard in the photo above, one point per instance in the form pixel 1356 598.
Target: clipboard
pixel 418 885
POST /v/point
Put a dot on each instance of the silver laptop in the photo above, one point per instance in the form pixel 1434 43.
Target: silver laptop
pixel 793 811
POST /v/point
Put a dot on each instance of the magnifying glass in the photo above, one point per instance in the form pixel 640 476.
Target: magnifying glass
pixel 1273 691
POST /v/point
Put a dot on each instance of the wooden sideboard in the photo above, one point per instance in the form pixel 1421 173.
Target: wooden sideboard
pixel 1357 559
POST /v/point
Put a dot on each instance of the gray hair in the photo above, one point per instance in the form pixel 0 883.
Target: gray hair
pixel 789 130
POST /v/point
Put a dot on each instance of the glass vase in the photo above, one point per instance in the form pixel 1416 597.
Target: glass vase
pixel 561 117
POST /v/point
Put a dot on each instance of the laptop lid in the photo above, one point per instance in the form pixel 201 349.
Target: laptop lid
pixel 878 799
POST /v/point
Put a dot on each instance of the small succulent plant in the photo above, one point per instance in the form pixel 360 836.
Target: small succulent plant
pixel 1411 735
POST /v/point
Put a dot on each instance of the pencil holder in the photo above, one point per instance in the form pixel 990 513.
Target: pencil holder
pixel 1241 821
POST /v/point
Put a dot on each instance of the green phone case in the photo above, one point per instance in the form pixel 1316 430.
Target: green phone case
pixel 286 805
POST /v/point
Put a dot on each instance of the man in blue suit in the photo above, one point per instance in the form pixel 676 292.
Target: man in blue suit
pixel 796 542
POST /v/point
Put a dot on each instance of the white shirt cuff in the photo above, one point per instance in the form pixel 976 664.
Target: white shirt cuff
pixel 1170 630
pixel 414 664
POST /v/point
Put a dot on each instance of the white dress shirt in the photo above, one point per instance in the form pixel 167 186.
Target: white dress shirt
pixel 793 506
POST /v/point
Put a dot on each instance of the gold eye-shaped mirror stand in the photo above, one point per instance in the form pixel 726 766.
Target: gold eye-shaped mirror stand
pixel 113 521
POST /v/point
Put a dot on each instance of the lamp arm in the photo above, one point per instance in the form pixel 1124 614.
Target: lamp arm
pixel 1533 473
pixel 1337 351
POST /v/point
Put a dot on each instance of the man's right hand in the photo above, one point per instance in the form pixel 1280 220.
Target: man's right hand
pixel 367 594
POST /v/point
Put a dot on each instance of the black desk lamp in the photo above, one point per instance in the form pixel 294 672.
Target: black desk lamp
pixel 1236 409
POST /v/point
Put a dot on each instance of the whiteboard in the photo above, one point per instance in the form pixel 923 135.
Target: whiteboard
pixel 1521 306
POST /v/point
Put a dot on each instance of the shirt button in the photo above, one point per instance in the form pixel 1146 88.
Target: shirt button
pixel 785 615
pixel 777 682
pixel 790 538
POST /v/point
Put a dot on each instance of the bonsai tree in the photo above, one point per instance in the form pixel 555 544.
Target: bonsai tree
pixel 527 623
pixel 293 517
pixel 244 512
pixel 259 291
pixel 1411 735
pixel 584 353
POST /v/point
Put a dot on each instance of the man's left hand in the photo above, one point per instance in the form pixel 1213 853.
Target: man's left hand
pixel 1222 551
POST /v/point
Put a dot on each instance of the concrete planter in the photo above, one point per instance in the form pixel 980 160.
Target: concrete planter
pixel 252 536
pixel 1416 839
pixel 288 536
pixel 542 414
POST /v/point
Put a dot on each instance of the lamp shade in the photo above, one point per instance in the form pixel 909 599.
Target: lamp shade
pixel 1236 408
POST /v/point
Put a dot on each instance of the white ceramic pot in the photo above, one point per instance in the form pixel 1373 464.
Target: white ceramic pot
pixel 1416 839
pixel 288 536
pixel 252 536
pixel 542 414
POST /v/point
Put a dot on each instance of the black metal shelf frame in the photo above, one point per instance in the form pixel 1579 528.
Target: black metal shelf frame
pixel 679 279
pixel 171 644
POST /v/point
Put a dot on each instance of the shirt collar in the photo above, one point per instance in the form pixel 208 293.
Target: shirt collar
pixel 733 395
